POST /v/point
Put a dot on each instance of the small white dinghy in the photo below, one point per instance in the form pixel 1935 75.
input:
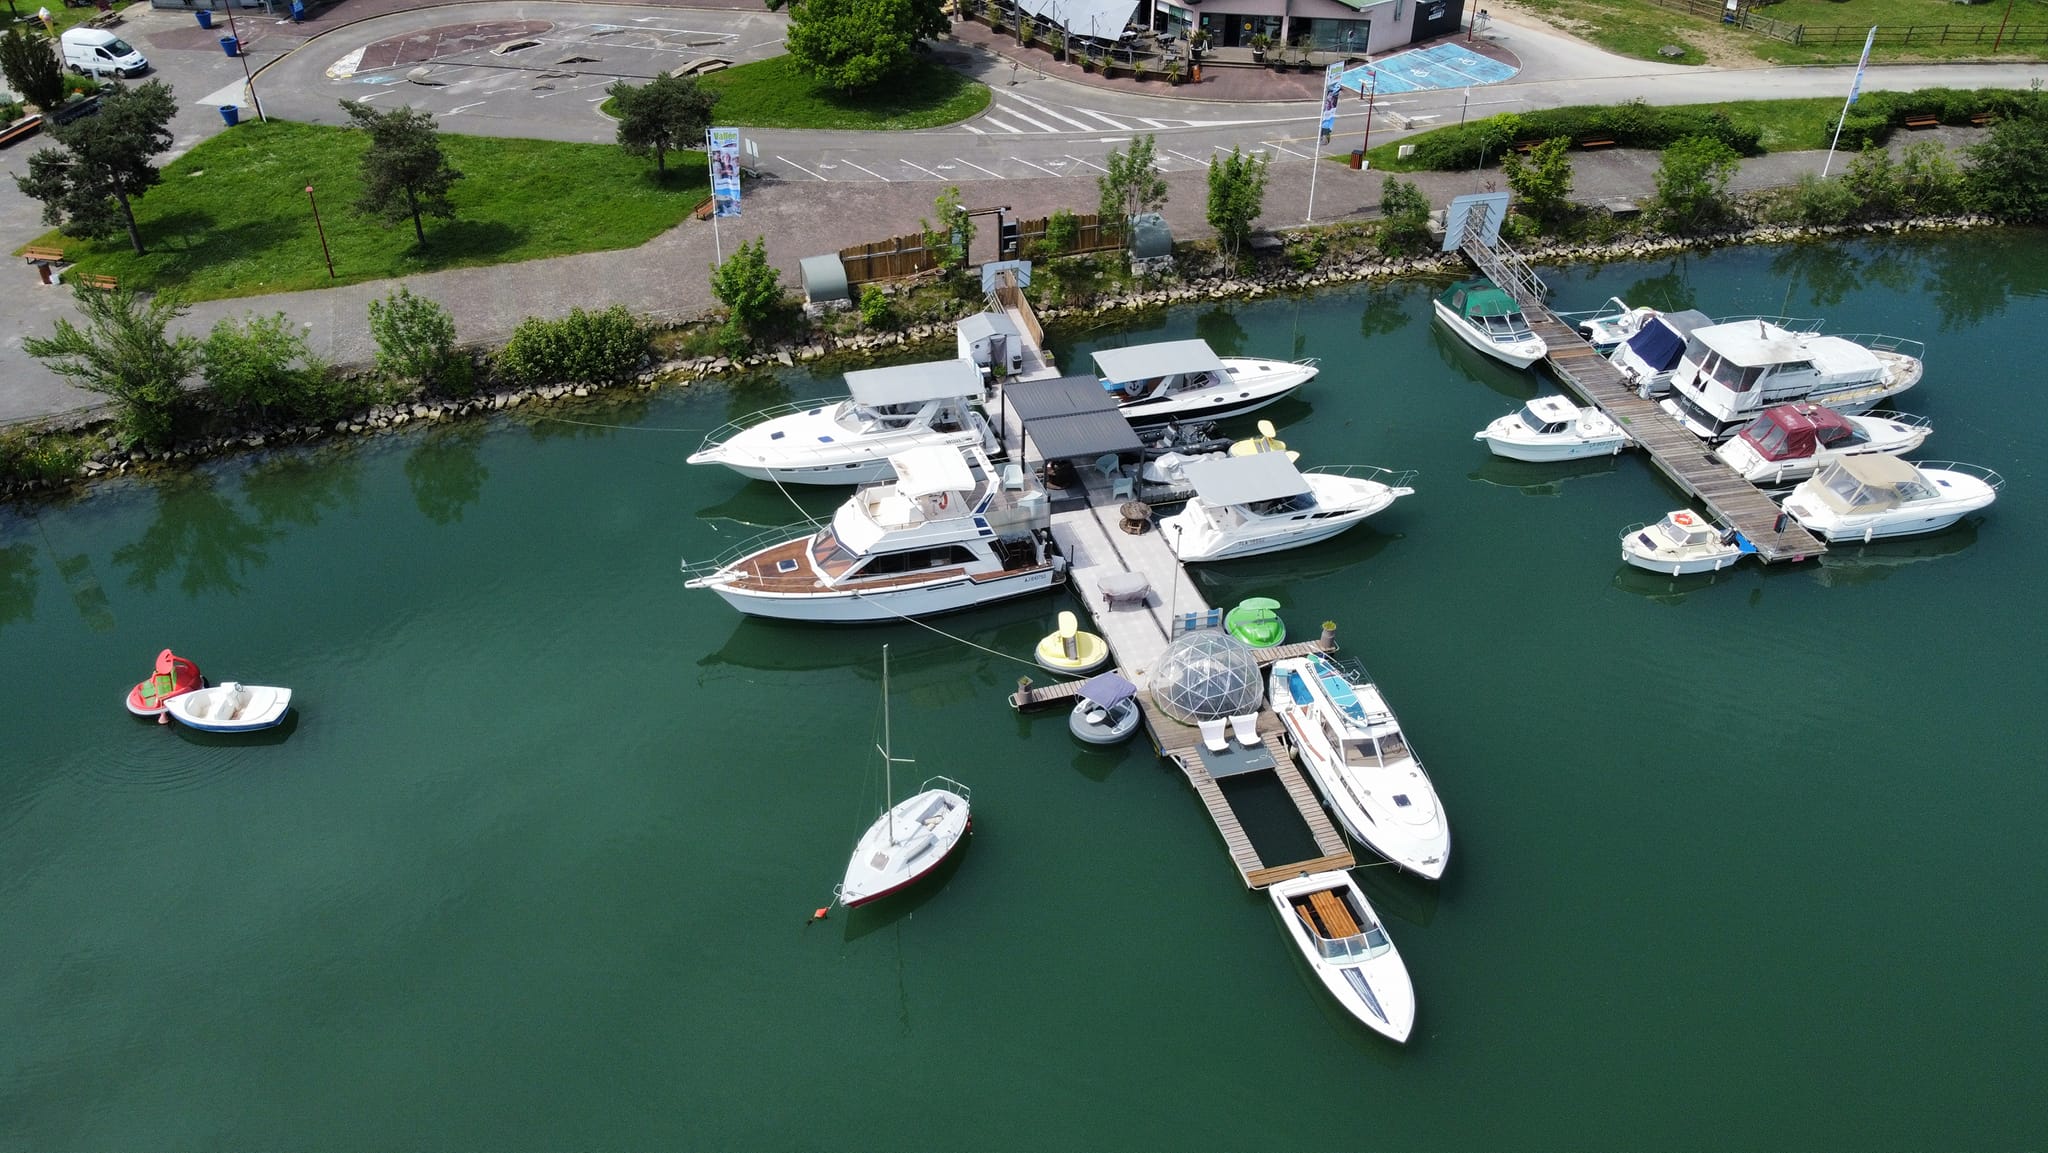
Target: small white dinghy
pixel 1553 428
pixel 911 837
pixel 1329 920
pixel 231 707
pixel 1684 542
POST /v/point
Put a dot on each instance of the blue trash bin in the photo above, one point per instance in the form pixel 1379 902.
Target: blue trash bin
pixel 205 18
pixel 298 12
pixel 230 45
pixel 230 114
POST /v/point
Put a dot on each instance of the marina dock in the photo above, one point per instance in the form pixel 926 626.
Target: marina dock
pixel 1681 456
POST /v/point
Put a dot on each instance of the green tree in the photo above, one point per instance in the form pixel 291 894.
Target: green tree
pixel 261 364
pixel 124 351
pixel 87 188
pixel 1062 229
pixel 1542 178
pixel 415 338
pixel 666 114
pixel 1132 185
pixel 1692 186
pixel 854 45
pixel 1237 193
pixel 953 237
pixel 404 172
pixel 751 290
pixel 1873 180
pixel 30 64
pixel 1404 217
pixel 2009 178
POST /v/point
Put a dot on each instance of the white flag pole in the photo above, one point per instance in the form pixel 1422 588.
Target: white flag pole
pixel 1855 86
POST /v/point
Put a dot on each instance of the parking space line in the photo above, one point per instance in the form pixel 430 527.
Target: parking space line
pixel 1040 167
pixel 1201 160
pixel 1277 147
pixel 799 167
pixel 979 168
pixel 973 129
pixel 869 171
pixel 1089 163
pixel 920 168
pixel 1001 125
pixel 1148 122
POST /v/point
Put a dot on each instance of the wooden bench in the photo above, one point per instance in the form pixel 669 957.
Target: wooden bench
pixel 1922 120
pixel 97 280
pixel 1335 916
pixel 35 255
pixel 26 126
pixel 1526 145
pixel 1591 142
pixel 1983 118
pixel 106 19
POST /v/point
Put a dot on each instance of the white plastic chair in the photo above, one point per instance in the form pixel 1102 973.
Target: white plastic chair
pixel 1246 726
pixel 1212 735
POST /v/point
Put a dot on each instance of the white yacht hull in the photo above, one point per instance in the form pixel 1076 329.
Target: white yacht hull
pixel 849 463
pixel 1374 989
pixel 948 595
pixel 1256 384
pixel 904 844
pixel 1196 540
pixel 1520 354
pixel 1548 449
pixel 1679 566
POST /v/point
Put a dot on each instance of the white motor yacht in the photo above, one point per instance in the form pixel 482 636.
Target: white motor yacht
pixel 1248 505
pixel 1684 542
pixel 888 411
pixel 1352 746
pixel 1181 380
pixel 1791 442
pixel 949 533
pixel 1867 498
pixel 1330 921
pixel 1491 321
pixel 1746 366
pixel 1553 428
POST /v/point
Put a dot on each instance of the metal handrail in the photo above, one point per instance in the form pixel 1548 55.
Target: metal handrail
pixel 1803 325
pixel 1909 419
pixel 1879 342
pixel 1988 476
pixel 1403 478
pixel 732 428
pixel 747 547
pixel 966 794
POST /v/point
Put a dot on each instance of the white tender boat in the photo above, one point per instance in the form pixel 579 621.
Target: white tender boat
pixel 1791 442
pixel 1352 746
pixel 911 837
pixel 1489 320
pixel 1249 505
pixel 1330 921
pixel 1746 366
pixel 231 707
pixel 1552 428
pixel 1649 356
pixel 949 533
pixel 1867 498
pixel 1683 542
pixel 889 411
pixel 1180 380
pixel 1613 322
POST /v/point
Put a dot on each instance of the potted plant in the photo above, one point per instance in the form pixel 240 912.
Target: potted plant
pixel 1173 72
pixel 1059 44
pixel 1139 71
pixel 1258 44
pixel 1027 35
pixel 1088 60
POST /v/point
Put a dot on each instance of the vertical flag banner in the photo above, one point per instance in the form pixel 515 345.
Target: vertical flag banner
pixel 1333 85
pixel 722 145
pixel 1856 88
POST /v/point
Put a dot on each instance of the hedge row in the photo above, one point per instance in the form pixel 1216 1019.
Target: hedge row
pixel 1875 115
pixel 1631 125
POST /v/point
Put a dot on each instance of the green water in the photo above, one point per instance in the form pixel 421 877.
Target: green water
pixel 1747 862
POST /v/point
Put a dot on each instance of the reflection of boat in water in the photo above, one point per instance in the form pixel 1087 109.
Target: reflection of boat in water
pixel 1664 588
pixel 1538 479
pixel 1854 564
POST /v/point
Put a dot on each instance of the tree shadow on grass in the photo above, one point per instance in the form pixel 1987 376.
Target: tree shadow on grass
pixel 189 247
pixel 456 242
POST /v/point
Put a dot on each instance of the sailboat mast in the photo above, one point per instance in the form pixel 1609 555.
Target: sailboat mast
pixel 888 780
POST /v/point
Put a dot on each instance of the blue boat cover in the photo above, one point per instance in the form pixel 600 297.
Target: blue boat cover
pixel 1658 346
pixel 1108 689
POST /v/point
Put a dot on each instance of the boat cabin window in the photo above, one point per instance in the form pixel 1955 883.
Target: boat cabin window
pixel 1840 435
pixel 1366 751
pixel 831 557
pixel 1299 502
pixel 1732 376
pixel 1770 438
pixel 1509 327
pixel 1687 534
pixel 1535 423
pixel 916 560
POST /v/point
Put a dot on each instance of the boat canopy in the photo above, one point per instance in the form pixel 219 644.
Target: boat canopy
pixel 914 383
pixel 1760 344
pixel 930 470
pixel 1108 690
pixel 1871 481
pixel 983 325
pixel 1479 298
pixel 1664 339
pixel 1059 396
pixel 1151 361
pixel 1245 479
pixel 1792 431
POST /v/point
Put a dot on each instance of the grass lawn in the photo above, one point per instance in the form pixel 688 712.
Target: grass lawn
pixel 773 94
pixel 1633 28
pixel 231 217
pixel 1788 126
pixel 1637 28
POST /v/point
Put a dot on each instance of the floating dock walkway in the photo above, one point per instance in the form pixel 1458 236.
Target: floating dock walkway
pixel 1680 455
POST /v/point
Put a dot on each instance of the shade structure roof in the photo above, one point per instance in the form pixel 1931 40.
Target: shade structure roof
pixel 932 469
pixel 914 383
pixel 1101 19
pixel 983 325
pixel 1107 689
pixel 1145 361
pixel 1060 396
pixel 1083 434
pixel 1483 299
pixel 1245 479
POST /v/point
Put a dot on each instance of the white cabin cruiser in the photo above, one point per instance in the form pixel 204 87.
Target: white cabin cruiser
pixel 1185 380
pixel 1867 498
pixel 949 533
pixel 1249 505
pixel 1684 542
pixel 1491 321
pixel 1330 921
pixel 1749 365
pixel 1553 428
pixel 1791 442
pixel 1351 744
pixel 888 411
pixel 1649 356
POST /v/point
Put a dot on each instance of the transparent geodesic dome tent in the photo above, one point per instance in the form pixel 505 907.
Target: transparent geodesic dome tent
pixel 1206 675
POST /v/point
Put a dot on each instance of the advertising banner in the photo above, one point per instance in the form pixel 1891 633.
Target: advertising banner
pixel 1333 85
pixel 723 147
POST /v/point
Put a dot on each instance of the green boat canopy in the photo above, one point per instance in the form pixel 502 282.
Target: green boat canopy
pixel 1470 298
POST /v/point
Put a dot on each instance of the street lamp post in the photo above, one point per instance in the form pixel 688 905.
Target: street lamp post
pixel 1372 89
pixel 322 230
pixel 247 75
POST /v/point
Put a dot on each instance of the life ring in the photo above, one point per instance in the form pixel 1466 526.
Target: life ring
pixel 943 499
pixel 1681 519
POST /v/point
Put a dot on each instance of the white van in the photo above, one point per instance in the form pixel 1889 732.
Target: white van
pixel 101 53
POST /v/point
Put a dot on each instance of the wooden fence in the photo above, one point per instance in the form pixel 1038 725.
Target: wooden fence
pixel 1090 234
pixel 901 256
pixel 1746 16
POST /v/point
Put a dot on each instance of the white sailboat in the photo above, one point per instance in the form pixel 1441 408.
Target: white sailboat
pixel 910 838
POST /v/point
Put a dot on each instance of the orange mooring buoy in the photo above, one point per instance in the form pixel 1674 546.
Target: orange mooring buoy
pixel 820 914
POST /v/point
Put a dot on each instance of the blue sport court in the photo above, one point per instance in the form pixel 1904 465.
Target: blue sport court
pixel 1438 66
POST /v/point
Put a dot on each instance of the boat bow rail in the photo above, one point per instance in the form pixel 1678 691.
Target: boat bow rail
pixel 732 428
pixel 1879 342
pixel 704 569
pixel 1392 478
pixel 1988 476
pixel 1909 419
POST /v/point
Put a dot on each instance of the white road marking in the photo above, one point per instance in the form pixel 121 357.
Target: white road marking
pixel 869 171
pixel 1278 148
pixel 1053 112
pixel 976 131
pixel 1116 124
pixel 1089 163
pixel 798 167
pixel 990 171
pixel 465 107
pixel 1201 160
pixel 1114 140
pixel 1040 167
pixel 1148 122
pixel 920 168
pixel 1000 124
pixel 1041 125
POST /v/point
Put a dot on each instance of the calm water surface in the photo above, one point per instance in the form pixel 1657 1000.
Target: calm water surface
pixel 1741 862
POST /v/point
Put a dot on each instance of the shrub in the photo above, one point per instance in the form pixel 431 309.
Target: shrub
pixel 1872 182
pixel 1630 125
pixel 262 365
pixel 1404 217
pixel 751 290
pixel 124 351
pixel 1820 201
pixel 1930 181
pixel 415 340
pixel 1692 186
pixel 1062 230
pixel 1306 253
pixel 599 347
pixel 28 457
pixel 874 307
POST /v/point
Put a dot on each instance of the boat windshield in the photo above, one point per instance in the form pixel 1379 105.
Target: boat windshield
pixel 832 557
pixel 1732 376
pixel 1534 422
pixel 878 418
pixel 1368 751
pixel 1508 327
pixel 1364 946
